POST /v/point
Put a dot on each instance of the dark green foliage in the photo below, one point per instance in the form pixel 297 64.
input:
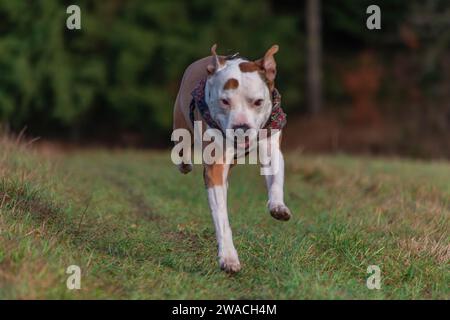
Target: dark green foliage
pixel 121 70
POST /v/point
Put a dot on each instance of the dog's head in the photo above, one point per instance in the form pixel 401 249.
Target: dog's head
pixel 238 91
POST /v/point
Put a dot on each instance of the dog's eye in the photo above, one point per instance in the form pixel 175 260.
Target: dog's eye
pixel 258 102
pixel 225 102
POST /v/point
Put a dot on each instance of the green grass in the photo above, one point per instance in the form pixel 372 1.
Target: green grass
pixel 140 230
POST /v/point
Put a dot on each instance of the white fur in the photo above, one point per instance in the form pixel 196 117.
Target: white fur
pixel 251 87
pixel 217 197
pixel 275 182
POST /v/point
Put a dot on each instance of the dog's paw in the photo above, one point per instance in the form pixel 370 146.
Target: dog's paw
pixel 279 211
pixel 230 263
pixel 185 168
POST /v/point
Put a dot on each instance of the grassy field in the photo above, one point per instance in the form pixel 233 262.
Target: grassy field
pixel 140 230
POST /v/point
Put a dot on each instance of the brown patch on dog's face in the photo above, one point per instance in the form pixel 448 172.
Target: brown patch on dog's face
pixel 249 66
pixel 231 83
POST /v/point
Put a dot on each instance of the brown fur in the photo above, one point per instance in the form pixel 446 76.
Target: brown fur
pixel 213 175
pixel 249 66
pixel 231 84
pixel 193 74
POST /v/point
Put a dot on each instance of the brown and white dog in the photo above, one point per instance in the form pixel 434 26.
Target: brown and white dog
pixel 238 94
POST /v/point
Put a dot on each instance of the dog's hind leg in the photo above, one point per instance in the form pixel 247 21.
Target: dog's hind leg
pixel 180 123
pixel 274 175
pixel 216 183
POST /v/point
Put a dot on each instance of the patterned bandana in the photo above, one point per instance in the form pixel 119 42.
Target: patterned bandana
pixel 277 119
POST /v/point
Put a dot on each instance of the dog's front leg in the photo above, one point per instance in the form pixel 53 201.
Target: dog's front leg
pixel 274 175
pixel 216 183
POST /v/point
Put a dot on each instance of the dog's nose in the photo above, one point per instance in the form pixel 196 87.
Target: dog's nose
pixel 243 126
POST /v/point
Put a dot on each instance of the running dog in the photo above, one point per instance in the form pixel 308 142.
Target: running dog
pixel 233 93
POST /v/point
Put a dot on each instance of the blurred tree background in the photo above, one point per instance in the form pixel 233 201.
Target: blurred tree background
pixel 116 78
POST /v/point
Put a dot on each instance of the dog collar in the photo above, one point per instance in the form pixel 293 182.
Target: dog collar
pixel 277 119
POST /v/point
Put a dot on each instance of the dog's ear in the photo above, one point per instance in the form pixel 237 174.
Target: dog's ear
pixel 269 65
pixel 217 62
